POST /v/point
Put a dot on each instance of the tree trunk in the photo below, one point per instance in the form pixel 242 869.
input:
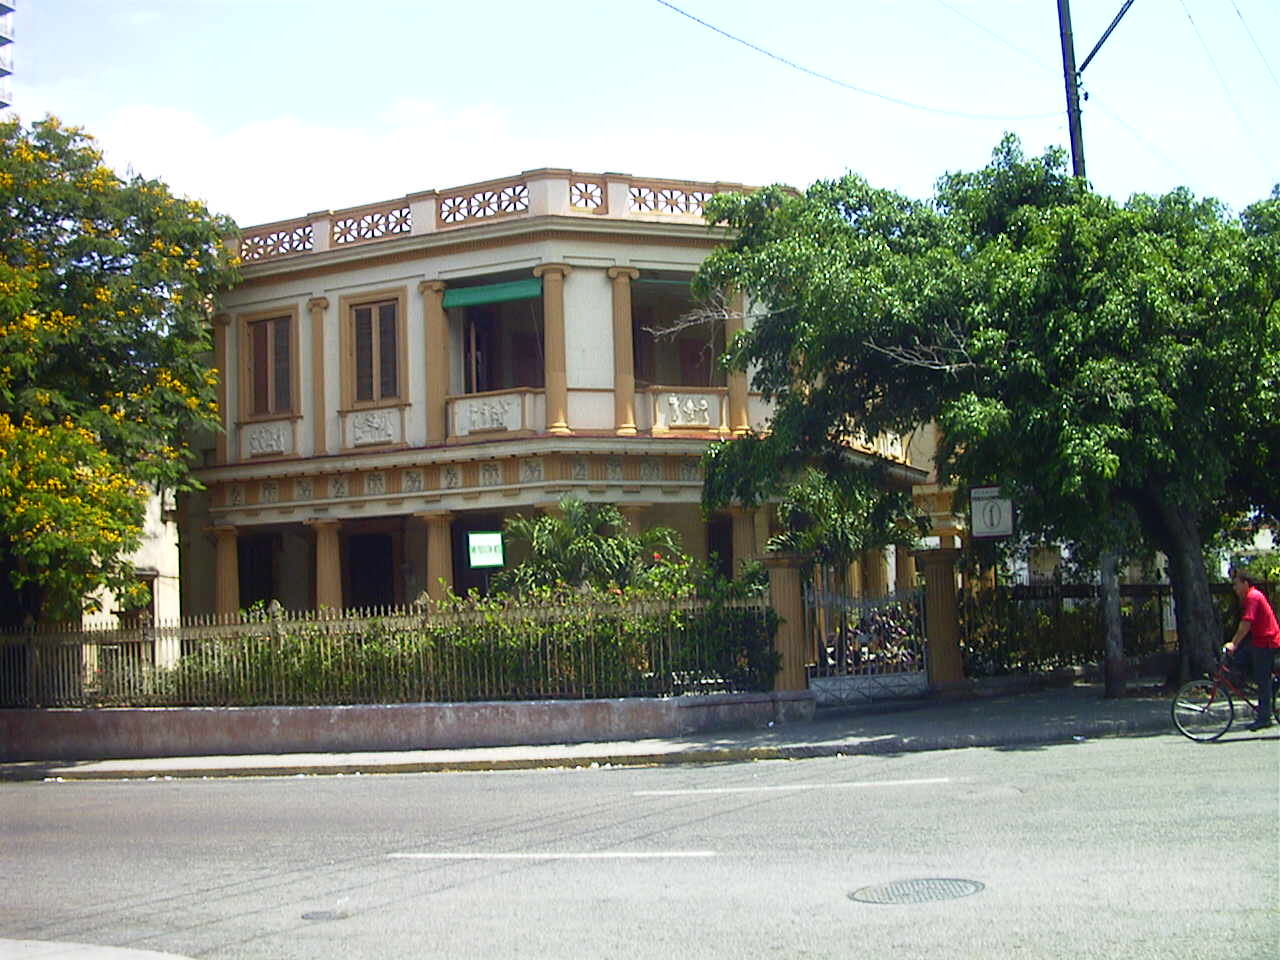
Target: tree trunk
pixel 1113 660
pixel 1199 629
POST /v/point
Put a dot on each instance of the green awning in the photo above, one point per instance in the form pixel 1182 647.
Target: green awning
pixel 493 293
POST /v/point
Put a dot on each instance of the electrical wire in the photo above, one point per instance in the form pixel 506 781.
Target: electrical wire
pixel 1261 56
pixel 849 86
pixel 1225 89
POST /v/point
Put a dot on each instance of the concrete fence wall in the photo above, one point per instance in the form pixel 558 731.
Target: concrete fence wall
pixel 122 733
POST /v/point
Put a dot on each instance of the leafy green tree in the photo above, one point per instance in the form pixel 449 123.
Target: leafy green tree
pixel 586 546
pixel 106 287
pixel 1100 361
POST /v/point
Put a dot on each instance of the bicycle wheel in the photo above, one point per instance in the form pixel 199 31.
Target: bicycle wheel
pixel 1202 710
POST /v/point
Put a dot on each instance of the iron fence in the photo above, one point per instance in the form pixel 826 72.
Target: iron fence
pixel 397 655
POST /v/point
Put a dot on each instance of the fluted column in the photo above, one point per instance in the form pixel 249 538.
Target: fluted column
pixel 220 324
pixel 439 552
pixel 946 667
pixel 556 375
pixel 875 574
pixel 904 569
pixel 437 349
pixel 328 564
pixel 787 598
pixel 226 586
pixel 319 410
pixel 738 420
pixel 624 358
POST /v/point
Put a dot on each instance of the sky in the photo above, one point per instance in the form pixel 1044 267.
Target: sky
pixel 272 109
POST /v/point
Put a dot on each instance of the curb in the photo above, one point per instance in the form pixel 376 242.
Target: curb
pixel 1013 739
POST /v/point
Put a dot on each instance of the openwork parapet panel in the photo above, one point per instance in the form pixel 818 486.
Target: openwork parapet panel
pixel 277 243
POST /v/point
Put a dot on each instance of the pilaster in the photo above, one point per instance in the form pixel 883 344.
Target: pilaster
pixel 437 350
pixel 319 413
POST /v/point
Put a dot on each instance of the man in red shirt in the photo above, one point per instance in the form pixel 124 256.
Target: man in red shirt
pixel 1257 639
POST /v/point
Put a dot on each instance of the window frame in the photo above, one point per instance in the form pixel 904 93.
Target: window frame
pixel 347 312
pixel 246 322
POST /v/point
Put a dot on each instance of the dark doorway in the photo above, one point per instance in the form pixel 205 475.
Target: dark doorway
pixel 720 546
pixel 370 564
pixel 257 560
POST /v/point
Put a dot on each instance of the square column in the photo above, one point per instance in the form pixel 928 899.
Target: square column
pixel 439 553
pixel 328 564
pixel 226 589
pixel 744 536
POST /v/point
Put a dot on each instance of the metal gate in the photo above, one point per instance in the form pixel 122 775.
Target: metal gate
pixel 864 648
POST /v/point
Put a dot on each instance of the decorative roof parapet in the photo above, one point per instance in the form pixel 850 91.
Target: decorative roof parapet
pixel 544 192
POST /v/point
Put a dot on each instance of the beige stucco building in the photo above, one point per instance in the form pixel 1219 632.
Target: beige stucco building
pixel 398 375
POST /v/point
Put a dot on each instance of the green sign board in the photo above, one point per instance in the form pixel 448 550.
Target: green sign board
pixel 484 549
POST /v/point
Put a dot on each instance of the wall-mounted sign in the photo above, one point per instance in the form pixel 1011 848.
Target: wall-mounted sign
pixel 991 515
pixel 484 549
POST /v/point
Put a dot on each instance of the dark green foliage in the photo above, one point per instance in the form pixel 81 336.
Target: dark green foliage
pixel 555 646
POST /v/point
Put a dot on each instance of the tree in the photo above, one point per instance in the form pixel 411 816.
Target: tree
pixel 106 288
pixel 1102 362
pixel 583 545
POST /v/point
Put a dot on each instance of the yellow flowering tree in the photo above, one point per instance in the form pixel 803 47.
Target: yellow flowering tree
pixel 106 287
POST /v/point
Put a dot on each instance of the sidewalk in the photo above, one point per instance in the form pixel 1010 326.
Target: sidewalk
pixel 1021 720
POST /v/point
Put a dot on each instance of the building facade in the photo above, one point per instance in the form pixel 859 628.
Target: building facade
pixel 399 375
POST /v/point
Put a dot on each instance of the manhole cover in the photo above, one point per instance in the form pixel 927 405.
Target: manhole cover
pixel 917 891
pixel 325 915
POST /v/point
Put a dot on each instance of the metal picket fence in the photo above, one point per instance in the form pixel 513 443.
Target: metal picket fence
pixel 396 655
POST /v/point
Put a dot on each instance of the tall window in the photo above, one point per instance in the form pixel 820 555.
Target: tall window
pixel 375 337
pixel 270 366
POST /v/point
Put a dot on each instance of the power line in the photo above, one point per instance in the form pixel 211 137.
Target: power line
pixel 849 86
pixel 1261 56
pixel 1244 127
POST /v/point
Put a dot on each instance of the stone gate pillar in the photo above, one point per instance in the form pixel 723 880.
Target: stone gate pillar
pixel 787 597
pixel 942 620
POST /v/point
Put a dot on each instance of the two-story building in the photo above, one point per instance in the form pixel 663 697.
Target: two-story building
pixel 398 375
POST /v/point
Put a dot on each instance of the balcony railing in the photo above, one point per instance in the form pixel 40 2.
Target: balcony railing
pixel 534 193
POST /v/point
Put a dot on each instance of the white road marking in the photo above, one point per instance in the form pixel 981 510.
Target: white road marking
pixel 596 855
pixel 791 786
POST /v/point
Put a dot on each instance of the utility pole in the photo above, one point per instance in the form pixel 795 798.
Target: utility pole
pixel 1072 76
pixel 1108 560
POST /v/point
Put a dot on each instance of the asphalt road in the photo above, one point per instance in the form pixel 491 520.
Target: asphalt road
pixel 1143 847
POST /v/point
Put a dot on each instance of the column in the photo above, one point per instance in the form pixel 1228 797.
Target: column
pixel 787 599
pixel 226 587
pixel 319 410
pixel 624 358
pixel 744 536
pixel 328 564
pixel 437 350
pixel 904 569
pixel 557 385
pixel 942 622
pixel 631 513
pixel 220 324
pixel 875 573
pixel 738 421
pixel 439 552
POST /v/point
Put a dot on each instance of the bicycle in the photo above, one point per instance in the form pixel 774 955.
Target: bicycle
pixel 1203 710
